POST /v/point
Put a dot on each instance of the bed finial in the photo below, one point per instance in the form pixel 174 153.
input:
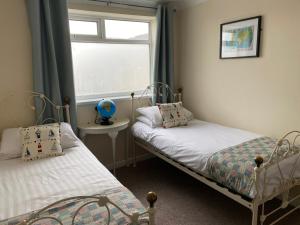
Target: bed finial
pixel 132 94
pixel 151 198
pixel 24 222
pixel 67 100
pixel 259 160
pixel 179 94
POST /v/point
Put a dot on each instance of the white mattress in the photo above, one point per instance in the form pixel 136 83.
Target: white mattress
pixel 194 144
pixel 28 186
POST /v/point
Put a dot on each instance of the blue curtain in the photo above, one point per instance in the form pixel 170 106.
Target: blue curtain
pixel 51 53
pixel 164 62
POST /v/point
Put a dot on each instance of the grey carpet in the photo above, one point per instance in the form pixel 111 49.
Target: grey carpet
pixel 182 200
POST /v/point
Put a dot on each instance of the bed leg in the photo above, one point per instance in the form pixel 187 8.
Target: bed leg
pixel 151 198
pixel 254 214
pixel 285 199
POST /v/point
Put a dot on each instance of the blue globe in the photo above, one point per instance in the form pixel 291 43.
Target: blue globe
pixel 106 108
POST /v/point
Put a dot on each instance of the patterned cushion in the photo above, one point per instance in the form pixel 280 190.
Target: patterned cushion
pixel 41 141
pixel 172 115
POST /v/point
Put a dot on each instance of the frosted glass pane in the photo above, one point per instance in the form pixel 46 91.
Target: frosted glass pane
pixel 110 69
pixel 83 27
pixel 117 29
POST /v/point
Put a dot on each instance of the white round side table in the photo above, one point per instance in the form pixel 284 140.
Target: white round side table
pixel 111 130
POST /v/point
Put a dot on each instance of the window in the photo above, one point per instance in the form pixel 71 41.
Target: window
pixel 116 29
pixel 111 57
pixel 83 27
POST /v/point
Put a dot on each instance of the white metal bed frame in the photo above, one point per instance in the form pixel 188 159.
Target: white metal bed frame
pixel 136 218
pixel 287 145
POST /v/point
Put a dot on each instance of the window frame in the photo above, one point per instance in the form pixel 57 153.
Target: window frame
pixel 100 38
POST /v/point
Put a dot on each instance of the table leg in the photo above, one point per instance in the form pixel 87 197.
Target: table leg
pixel 134 154
pixel 113 135
pixel 82 137
pixel 127 146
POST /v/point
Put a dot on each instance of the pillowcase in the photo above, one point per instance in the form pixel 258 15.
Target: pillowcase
pixel 144 120
pixel 172 115
pixel 11 143
pixel 151 113
pixel 41 142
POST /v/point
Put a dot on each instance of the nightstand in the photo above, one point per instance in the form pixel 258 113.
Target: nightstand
pixel 111 130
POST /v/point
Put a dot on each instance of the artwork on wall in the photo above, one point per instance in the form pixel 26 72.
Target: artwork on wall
pixel 241 38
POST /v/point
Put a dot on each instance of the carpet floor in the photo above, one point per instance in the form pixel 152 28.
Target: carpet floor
pixel 182 200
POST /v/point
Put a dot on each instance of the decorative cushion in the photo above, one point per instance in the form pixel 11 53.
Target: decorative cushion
pixel 172 115
pixel 41 142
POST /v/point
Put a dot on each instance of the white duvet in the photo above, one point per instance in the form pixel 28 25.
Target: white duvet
pixel 194 144
pixel 28 186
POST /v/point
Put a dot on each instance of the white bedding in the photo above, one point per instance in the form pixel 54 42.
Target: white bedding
pixel 192 145
pixel 28 186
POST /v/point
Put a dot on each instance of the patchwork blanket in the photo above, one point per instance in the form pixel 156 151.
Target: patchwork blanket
pixel 234 166
pixel 90 214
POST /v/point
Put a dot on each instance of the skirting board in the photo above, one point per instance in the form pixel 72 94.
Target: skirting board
pixel 123 163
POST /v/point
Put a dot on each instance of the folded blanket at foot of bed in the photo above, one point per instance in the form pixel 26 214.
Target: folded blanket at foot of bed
pixel 234 166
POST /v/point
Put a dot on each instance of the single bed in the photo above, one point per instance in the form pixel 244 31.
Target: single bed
pixel 28 186
pixel 194 146
pixel 247 167
pixel 74 188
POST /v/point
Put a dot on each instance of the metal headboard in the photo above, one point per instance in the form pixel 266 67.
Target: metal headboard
pixel 60 109
pixel 158 89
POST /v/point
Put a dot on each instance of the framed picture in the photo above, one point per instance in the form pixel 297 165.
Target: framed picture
pixel 241 38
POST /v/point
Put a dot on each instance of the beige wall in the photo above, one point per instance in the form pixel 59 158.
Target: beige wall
pixel 15 65
pixel 259 94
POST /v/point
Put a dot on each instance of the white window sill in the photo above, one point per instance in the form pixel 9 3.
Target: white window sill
pixel 116 99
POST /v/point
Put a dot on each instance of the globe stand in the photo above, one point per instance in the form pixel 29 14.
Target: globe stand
pixel 105 121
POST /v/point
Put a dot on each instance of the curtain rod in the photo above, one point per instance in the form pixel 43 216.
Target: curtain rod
pixel 121 3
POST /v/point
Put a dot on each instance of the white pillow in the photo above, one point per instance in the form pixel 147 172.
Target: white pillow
pixel 188 114
pixel 11 144
pixel 152 113
pixel 68 138
pixel 144 120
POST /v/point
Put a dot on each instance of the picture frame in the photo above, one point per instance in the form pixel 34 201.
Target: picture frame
pixel 240 38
